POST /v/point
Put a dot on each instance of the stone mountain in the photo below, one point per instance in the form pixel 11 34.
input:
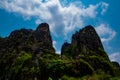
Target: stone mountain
pixel 86 42
pixel 38 41
pixel 29 55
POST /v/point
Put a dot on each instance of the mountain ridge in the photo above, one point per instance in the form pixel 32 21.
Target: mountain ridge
pixel 29 55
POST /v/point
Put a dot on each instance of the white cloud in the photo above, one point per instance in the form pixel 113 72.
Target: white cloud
pixel 62 19
pixel 54 44
pixel 58 52
pixel 105 32
pixel 104 7
pixel 115 57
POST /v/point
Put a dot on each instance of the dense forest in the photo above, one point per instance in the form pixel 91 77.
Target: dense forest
pixel 28 54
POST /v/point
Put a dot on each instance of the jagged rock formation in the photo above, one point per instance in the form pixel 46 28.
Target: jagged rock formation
pixel 43 33
pixel 38 41
pixel 24 47
pixel 87 45
pixel 66 49
pixel 87 42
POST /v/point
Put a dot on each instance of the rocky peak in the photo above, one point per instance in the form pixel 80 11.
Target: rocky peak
pixel 88 37
pixel 42 33
pixel 43 27
pixel 87 41
pixel 36 41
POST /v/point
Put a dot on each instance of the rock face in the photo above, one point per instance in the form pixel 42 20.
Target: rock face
pixel 43 33
pixel 38 41
pixel 20 51
pixel 42 36
pixel 86 45
pixel 65 48
pixel 87 42
pixel 87 39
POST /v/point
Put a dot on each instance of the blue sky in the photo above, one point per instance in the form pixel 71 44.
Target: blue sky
pixel 64 18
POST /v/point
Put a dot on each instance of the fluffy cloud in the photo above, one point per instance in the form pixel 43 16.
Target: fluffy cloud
pixel 115 57
pixel 104 7
pixel 54 44
pixel 62 17
pixel 105 32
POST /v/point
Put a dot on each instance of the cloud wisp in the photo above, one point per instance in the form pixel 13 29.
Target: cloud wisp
pixel 61 18
pixel 105 32
pixel 115 57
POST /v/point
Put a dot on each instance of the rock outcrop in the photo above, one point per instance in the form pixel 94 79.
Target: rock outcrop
pixel 20 51
pixel 86 42
pixel 66 49
pixel 86 45
pixel 38 41
pixel 42 33
pixel 43 37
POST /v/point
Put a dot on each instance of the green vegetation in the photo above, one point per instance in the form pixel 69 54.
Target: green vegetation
pixel 55 67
